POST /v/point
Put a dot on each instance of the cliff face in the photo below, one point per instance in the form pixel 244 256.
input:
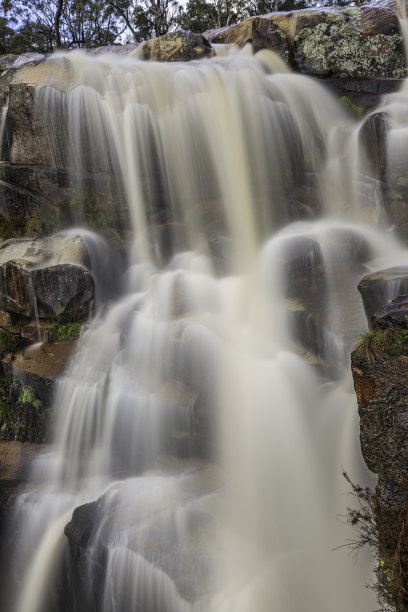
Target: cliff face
pixel 380 372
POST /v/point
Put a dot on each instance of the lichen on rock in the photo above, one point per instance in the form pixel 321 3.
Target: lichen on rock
pixel 335 48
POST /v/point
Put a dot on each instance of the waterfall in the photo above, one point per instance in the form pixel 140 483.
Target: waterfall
pixel 202 425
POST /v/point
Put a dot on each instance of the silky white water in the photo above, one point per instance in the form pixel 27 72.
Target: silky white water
pixel 212 435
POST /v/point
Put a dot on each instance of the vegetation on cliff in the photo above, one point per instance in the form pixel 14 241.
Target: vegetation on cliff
pixel 385 531
pixel 374 343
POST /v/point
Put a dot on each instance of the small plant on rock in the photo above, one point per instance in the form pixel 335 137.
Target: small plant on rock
pixel 28 395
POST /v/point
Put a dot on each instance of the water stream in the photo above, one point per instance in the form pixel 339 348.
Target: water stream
pixel 211 433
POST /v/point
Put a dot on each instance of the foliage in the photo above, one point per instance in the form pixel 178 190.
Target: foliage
pixel 6 342
pixel 385 530
pixel 28 395
pixel 146 18
pixel 23 416
pixel 49 24
pixel 44 25
pixel 68 331
pixel 373 343
pixel 9 341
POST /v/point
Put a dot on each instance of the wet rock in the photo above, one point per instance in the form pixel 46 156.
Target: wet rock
pixel 27 58
pixel 310 332
pixel 372 136
pixel 393 315
pixel 27 385
pixel 15 463
pixel 127 521
pixel 26 127
pixel 36 280
pixel 380 288
pixel 15 294
pixel 177 46
pixel 260 32
pixel 115 49
pixel 64 292
pixel 301 257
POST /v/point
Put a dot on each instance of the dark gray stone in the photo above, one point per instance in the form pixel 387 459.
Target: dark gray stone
pixel 64 292
pixel 378 289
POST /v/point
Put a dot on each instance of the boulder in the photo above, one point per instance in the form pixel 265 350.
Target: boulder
pixel 129 522
pixel 358 43
pixel 378 289
pixel 46 278
pixel 6 61
pixel 177 46
pixel 63 293
pixel 328 43
pixel 260 32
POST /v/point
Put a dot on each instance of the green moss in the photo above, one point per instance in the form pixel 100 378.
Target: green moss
pixel 353 108
pixel 69 330
pixel 6 342
pixel 23 416
pixel 28 395
pixel 58 332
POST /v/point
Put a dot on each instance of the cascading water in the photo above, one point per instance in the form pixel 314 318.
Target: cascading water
pixel 201 444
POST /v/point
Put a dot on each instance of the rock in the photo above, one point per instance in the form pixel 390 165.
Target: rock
pixel 35 276
pixel 380 288
pixel 64 292
pixel 38 366
pixel 262 33
pixel 328 43
pixel 16 459
pixel 358 43
pixel 26 126
pixel 27 58
pixel 27 385
pixel 308 330
pixel 15 291
pixel 382 393
pixel 373 20
pixel 372 137
pixel 381 385
pixel 128 520
pixel 34 200
pixel 6 61
pixel 15 463
pixel 115 49
pixel 393 315
pixel 177 46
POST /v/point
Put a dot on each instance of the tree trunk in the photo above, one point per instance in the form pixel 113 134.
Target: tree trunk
pixel 60 6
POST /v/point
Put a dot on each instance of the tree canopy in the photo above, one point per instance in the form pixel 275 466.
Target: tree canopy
pixel 46 25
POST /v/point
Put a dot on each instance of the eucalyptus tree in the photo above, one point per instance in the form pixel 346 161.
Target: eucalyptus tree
pixel 65 23
pixel 146 18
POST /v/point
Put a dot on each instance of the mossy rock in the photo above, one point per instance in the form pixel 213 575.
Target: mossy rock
pixel 335 48
pixel 58 333
pixel 23 416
